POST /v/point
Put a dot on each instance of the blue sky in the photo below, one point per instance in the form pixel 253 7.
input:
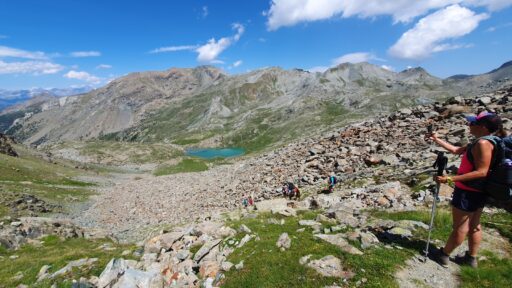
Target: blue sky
pixel 63 43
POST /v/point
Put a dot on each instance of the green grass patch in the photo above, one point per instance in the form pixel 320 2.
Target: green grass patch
pixel 57 253
pixel 332 111
pixel 186 141
pixel 3 211
pixel 493 272
pixel 501 221
pixel 32 169
pixel 186 165
pixel 29 174
pixel 266 266
pixel 117 152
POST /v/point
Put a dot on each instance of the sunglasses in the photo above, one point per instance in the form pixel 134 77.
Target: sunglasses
pixel 472 124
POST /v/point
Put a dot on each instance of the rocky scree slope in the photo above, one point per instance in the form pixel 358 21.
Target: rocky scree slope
pixel 387 147
pixel 247 110
pixel 375 151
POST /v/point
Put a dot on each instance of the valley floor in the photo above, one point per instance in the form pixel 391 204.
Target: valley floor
pixel 132 206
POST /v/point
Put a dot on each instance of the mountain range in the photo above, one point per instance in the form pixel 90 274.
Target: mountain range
pixel 206 106
pixel 13 97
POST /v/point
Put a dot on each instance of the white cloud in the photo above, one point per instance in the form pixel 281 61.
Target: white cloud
pixel 29 67
pixel 103 66
pixel 205 11
pixel 389 68
pixel 173 48
pixel 237 63
pixel 357 57
pixel 428 35
pixel 240 29
pixel 210 51
pixel 3 37
pixel 291 12
pixel 82 75
pixel 81 54
pixel 18 53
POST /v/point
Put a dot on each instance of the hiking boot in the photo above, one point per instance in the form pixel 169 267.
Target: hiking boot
pixel 466 260
pixel 440 257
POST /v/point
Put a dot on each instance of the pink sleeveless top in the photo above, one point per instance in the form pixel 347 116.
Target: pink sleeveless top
pixel 465 167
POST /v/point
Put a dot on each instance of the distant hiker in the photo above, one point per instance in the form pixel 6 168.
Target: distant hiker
pixel 468 198
pixel 251 201
pixel 290 190
pixel 245 202
pixel 332 181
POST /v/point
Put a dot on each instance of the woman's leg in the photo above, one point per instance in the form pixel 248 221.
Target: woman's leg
pixel 460 229
pixel 475 232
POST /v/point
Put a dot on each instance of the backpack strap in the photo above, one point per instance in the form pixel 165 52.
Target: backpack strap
pixel 496 142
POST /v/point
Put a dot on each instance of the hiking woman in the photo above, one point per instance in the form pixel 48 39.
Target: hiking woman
pixel 468 198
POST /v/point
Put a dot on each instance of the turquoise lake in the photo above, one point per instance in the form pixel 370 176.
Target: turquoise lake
pixel 210 153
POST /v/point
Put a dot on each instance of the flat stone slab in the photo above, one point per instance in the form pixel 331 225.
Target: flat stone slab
pixel 339 241
pixel 274 204
pixel 330 266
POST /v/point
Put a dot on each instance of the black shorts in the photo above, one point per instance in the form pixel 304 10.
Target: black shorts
pixel 468 201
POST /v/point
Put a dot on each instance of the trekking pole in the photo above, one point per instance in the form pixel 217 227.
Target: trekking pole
pixel 440 164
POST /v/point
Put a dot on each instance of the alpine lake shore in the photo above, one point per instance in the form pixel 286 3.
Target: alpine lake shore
pixel 124 214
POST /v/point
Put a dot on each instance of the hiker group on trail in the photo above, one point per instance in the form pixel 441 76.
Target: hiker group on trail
pixel 290 190
pixel 483 171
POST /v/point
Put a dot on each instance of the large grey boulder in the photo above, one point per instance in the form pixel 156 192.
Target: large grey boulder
pixel 329 266
pixel 133 278
pixel 399 232
pixel 73 264
pixel 164 241
pixel 339 241
pixel 115 268
pixel 205 249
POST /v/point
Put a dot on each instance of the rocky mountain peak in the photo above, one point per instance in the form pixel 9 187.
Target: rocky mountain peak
pixel 417 75
pixel 504 67
pixel 506 64
pixel 414 70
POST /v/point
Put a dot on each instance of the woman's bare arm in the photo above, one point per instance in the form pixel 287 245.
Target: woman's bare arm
pixel 449 147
